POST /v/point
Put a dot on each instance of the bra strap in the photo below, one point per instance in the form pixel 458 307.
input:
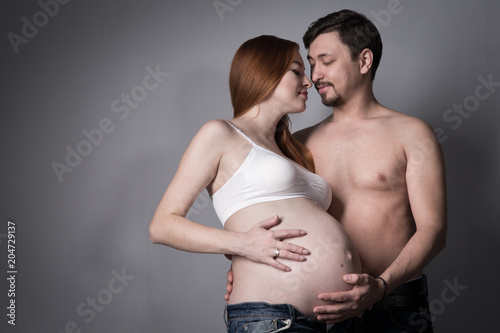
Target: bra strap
pixel 241 133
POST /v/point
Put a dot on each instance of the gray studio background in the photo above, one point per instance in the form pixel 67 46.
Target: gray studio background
pixel 83 256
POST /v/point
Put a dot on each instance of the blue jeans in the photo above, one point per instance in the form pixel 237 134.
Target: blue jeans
pixel 260 317
pixel 405 310
pixel 386 321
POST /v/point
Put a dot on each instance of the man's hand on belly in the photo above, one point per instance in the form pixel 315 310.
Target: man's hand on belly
pixel 366 291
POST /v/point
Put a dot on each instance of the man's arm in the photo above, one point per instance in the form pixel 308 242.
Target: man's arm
pixel 425 178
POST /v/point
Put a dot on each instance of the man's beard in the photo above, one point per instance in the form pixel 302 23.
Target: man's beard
pixel 332 101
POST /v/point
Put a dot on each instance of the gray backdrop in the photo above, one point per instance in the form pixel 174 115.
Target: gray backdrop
pixel 99 99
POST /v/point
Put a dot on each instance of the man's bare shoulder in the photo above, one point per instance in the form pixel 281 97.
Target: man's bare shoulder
pixel 406 126
pixel 305 134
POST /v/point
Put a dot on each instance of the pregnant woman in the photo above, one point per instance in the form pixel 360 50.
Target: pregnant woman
pixel 253 169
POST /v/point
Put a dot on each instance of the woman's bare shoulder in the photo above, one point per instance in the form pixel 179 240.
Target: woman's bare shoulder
pixel 214 131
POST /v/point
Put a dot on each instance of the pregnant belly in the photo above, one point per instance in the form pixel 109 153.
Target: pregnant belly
pixel 331 257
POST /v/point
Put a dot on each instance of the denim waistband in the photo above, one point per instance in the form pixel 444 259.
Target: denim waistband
pixel 410 294
pixel 415 286
pixel 259 316
pixel 262 310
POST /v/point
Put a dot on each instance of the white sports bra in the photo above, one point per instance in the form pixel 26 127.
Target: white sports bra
pixel 266 176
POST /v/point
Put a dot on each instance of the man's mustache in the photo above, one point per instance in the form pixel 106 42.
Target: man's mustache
pixel 321 84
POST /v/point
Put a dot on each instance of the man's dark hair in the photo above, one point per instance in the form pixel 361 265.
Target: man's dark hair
pixel 354 30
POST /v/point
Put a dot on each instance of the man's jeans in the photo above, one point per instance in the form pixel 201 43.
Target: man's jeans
pixel 263 317
pixel 405 310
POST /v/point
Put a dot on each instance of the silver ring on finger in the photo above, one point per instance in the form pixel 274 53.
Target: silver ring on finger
pixel 276 253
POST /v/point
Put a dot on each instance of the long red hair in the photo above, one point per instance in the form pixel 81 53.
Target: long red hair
pixel 257 68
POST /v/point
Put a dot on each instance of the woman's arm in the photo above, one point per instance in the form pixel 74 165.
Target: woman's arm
pixel 197 169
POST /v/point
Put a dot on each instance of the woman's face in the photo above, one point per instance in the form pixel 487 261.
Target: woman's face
pixel 291 93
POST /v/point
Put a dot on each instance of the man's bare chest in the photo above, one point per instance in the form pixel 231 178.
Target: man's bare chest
pixel 363 163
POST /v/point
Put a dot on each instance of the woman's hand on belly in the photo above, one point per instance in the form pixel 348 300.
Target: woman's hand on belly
pixel 322 271
pixel 331 256
pixel 261 245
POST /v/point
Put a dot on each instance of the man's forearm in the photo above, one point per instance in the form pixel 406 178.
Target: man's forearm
pixel 418 252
